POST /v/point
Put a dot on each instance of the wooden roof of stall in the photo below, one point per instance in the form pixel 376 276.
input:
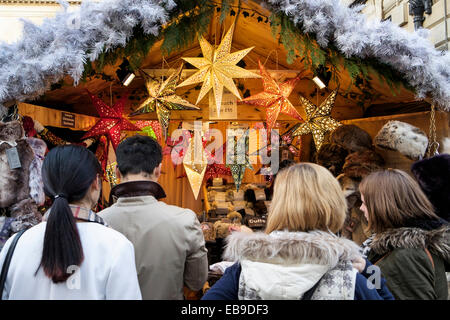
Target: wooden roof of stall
pixel 249 31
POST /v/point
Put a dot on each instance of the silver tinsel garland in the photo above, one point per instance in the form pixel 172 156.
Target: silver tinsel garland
pixel 62 45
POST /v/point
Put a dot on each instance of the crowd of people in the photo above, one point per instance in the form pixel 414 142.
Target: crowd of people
pixel 142 248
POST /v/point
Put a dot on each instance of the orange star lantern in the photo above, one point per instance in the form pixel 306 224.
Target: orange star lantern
pixel 112 122
pixel 274 97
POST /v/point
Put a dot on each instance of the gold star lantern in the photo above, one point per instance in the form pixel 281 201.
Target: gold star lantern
pixel 318 120
pixel 217 68
pixel 195 163
pixel 162 97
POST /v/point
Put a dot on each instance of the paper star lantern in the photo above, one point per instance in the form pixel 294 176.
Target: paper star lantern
pixel 274 97
pixel 176 149
pixel 163 99
pixel 195 171
pixel 286 140
pixel 112 122
pixel 238 169
pixel 318 120
pixel 217 68
pixel 151 128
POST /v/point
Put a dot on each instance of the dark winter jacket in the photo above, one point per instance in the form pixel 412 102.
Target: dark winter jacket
pixel 285 265
pixel 413 260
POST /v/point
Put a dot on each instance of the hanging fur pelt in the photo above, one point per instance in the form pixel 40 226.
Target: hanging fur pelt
pixel 35 182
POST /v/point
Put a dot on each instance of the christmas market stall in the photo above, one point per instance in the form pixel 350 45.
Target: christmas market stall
pixel 222 86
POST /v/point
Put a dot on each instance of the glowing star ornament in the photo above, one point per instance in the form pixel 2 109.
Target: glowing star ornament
pixel 112 122
pixel 318 120
pixel 274 97
pixel 163 99
pixel 195 163
pixel 217 68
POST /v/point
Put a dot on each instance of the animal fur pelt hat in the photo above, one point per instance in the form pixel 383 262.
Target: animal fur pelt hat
pixel 332 156
pixel 360 164
pixel 352 138
pixel 404 138
pixel 433 176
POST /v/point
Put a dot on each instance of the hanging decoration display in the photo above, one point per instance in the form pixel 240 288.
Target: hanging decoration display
pixel 112 122
pixel 163 99
pixel 217 68
pixel 274 97
pixel 176 149
pixel 150 128
pixel 238 169
pixel 318 120
pixel 195 168
pixel 286 141
pixel 102 153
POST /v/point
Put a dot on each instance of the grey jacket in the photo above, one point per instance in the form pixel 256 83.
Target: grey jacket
pixel 169 244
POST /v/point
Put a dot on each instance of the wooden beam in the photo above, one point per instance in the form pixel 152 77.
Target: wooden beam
pixel 276 74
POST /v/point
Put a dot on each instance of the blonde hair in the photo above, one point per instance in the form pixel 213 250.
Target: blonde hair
pixel 306 197
pixel 392 197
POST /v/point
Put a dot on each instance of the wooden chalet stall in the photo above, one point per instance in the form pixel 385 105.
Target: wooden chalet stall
pixel 370 91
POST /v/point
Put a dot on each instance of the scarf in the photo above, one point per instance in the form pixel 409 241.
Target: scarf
pixel 84 214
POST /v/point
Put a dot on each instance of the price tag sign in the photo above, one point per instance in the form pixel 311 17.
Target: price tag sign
pixel 13 158
pixel 228 109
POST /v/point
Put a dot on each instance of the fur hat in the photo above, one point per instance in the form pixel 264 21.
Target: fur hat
pixel 332 156
pixel 433 175
pixel 446 145
pixel 360 164
pixel 404 138
pixel 351 138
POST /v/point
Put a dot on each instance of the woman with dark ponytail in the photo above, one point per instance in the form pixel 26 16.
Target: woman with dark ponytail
pixel 72 254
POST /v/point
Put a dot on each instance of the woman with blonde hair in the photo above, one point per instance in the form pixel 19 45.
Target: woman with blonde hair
pixel 411 244
pixel 298 256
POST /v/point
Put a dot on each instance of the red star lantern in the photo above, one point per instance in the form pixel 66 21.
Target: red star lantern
pixel 112 122
pixel 274 97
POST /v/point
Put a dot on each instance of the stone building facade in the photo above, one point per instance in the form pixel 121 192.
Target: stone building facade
pixel 431 14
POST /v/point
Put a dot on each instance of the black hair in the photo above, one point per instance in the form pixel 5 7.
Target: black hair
pixel 138 154
pixel 67 172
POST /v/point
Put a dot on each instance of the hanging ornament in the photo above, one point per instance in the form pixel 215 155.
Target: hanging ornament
pixel 150 128
pixel 286 141
pixel 217 68
pixel 195 171
pixel 112 122
pixel 318 120
pixel 274 97
pixel 162 97
pixel 176 149
pixel 238 169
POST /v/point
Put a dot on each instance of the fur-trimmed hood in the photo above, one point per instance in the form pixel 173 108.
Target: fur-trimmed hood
pixel 315 247
pixel 285 265
pixel 436 241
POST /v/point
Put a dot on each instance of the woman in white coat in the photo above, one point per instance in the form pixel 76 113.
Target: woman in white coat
pixel 72 254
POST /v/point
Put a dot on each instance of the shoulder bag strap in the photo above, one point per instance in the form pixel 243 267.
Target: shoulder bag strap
pixel 7 261
pixel 429 257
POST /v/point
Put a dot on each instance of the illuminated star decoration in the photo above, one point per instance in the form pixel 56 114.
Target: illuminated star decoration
pixel 112 122
pixel 274 97
pixel 318 120
pixel 162 97
pixel 238 169
pixel 194 166
pixel 217 68
pixel 150 128
pixel 286 140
